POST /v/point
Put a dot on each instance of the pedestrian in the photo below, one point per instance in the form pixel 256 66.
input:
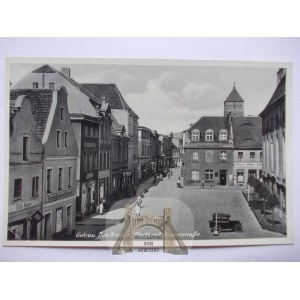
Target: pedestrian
pixel 138 209
pixel 101 208
pixel 139 200
pixel 178 182
pixel 202 182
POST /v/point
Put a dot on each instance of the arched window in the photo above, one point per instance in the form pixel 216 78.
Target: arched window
pixel 223 135
pixel 209 135
pixel 195 135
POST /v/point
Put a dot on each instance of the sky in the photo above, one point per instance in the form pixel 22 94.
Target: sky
pixel 169 98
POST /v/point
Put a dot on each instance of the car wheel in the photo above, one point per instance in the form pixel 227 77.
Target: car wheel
pixel 219 228
pixel 238 228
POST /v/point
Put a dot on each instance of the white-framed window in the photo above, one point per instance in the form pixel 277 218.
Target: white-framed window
pixel 49 180
pixel 58 138
pixel 252 156
pixel 208 156
pixel 209 135
pixel 195 156
pixel 195 135
pixel 60 178
pixel 240 156
pixel 35 186
pixel 62 113
pixel 195 175
pixel 66 139
pixel 51 85
pixel 17 189
pixel 260 156
pixel 35 85
pixel 223 156
pixel 70 176
pixel 209 174
pixel 223 135
pixel 25 148
pixel 240 176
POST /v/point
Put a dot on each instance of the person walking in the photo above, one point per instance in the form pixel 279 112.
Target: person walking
pixel 202 183
pixel 101 208
pixel 138 209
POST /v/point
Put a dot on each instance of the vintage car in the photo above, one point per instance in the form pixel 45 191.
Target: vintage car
pixel 222 222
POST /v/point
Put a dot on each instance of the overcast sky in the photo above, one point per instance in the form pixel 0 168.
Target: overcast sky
pixel 169 98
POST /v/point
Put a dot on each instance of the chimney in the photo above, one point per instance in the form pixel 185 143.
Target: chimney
pixel 281 72
pixel 66 72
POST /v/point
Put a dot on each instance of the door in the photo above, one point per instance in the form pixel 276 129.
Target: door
pixel 223 177
pixel 33 230
pixel 47 228
pixel 69 219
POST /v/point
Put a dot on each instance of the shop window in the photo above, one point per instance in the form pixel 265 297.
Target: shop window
pixel 59 220
pixel 240 176
pixel 35 186
pixel 195 175
pixel 17 189
pixel 209 174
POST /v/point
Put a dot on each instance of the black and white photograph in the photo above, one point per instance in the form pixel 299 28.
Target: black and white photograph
pixel 147 154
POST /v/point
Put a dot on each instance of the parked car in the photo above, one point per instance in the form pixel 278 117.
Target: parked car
pixel 222 222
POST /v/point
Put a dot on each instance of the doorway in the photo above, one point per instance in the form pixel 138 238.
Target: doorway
pixel 223 177
pixel 33 230
pixel 47 228
pixel 69 219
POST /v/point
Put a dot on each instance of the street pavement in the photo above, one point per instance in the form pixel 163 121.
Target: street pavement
pixel 192 209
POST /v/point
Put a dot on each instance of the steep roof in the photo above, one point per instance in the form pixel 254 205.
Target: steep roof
pixel 234 96
pixel 247 132
pixel 41 102
pixel 116 125
pixel 110 93
pixel 278 94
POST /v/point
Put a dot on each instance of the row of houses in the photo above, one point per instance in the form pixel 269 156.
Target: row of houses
pixel 72 146
pixel 227 150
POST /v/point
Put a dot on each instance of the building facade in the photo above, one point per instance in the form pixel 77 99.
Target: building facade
pixel 247 156
pixel 90 116
pixel 177 149
pixel 144 154
pixel 155 154
pixel 209 152
pixel 274 148
pixel 60 153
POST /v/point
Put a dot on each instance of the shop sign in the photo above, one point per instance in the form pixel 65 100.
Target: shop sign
pixel 37 217
pixel 89 145
pixel 59 195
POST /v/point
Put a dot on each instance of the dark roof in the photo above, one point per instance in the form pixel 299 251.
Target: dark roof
pixel 116 125
pixel 277 96
pixel 214 123
pixel 44 69
pixel 41 102
pixel 234 96
pixel 109 93
pixel 247 132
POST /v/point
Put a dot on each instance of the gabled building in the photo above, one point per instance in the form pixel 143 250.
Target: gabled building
pixel 124 115
pixel 155 151
pixel 144 153
pixel 56 182
pixel 274 148
pixel 247 156
pixel 234 104
pixel 91 121
pixel 209 152
pixel 119 161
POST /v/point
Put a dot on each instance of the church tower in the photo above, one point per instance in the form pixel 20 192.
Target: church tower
pixel 234 104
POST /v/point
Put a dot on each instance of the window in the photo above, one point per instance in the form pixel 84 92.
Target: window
pixel 60 178
pixel 95 160
pixel 59 220
pixel 84 163
pixel 223 156
pixel 208 156
pixel 62 113
pixel 101 161
pixel 260 156
pixel 49 181
pixel 195 135
pixel 252 156
pixel 70 177
pixel 107 160
pixel 58 138
pixel 240 176
pixel 18 189
pixel 240 156
pixel 223 135
pixel 195 156
pixel 66 139
pixel 91 160
pixel 209 174
pixel 195 175
pixel 114 182
pixel 209 135
pixel 51 85
pixel 35 85
pixel 35 186
pixel 25 147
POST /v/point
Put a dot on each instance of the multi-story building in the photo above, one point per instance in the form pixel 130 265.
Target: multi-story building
pixel 155 148
pixel 166 151
pixel 119 161
pixel 247 155
pixel 209 152
pixel 273 131
pixel 144 134
pixel 59 161
pixel 124 115
pixel 177 149
pixel 91 120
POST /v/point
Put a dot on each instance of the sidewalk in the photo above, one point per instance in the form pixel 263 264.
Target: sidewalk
pixel 116 212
